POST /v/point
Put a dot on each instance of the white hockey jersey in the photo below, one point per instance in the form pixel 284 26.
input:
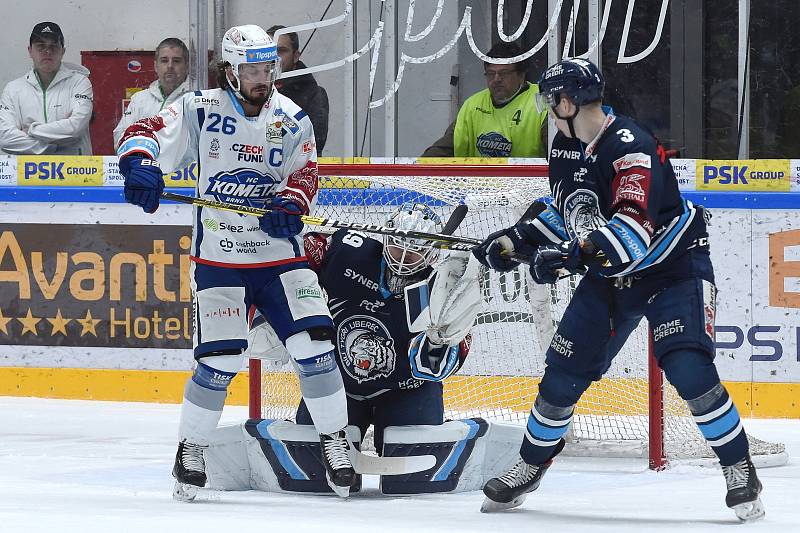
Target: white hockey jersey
pixel 242 160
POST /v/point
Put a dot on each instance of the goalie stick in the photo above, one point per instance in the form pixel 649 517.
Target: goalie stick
pixel 439 240
pixel 392 466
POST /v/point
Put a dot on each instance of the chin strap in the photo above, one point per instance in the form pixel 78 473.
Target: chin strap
pixel 569 119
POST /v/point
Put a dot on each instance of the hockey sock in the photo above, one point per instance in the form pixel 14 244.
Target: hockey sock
pixel 547 425
pixel 320 381
pixel 203 399
pixel 719 422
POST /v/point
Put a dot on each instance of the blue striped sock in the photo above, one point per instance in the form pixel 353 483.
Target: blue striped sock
pixel 718 420
pixel 547 424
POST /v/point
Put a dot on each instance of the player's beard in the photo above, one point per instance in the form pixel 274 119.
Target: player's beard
pixel 262 97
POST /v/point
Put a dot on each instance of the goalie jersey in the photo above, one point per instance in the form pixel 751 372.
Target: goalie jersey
pixel 372 336
pixel 620 192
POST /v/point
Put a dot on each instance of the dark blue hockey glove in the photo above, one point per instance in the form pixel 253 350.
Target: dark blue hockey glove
pixel 553 260
pixel 489 252
pixel 283 218
pixel 144 182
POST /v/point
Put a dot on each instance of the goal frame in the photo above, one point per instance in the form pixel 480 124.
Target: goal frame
pixel 657 459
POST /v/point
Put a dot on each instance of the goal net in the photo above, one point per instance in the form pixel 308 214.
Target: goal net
pixel 631 412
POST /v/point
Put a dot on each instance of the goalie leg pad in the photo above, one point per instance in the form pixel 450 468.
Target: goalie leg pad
pixel 320 381
pixel 468 453
pixel 269 455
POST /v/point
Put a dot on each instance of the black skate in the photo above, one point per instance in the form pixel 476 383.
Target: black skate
pixel 743 490
pixel 189 471
pixel 339 469
pixel 510 489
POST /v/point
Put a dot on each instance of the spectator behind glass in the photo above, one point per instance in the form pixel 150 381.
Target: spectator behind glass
pixel 302 90
pixel 172 68
pixel 499 121
pixel 47 111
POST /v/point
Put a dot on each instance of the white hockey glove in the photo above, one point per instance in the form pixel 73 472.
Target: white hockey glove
pixel 454 299
pixel 263 343
pixel 446 305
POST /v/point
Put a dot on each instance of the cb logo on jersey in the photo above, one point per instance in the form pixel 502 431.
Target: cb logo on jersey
pixel 366 348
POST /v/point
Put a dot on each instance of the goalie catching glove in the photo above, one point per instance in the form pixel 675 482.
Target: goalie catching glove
pixel 443 309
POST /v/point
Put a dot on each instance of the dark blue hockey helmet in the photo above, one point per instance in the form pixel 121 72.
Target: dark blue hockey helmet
pixel 579 79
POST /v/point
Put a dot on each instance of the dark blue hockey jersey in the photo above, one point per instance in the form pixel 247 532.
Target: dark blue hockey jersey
pixel 620 192
pixel 372 336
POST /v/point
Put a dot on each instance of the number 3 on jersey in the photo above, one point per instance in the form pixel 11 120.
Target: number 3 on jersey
pixel 625 135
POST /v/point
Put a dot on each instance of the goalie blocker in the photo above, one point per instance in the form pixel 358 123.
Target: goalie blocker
pixel 280 456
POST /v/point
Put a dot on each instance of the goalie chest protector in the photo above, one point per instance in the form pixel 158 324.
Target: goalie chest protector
pixel 371 330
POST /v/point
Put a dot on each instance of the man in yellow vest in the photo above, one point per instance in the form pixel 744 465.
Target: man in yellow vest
pixel 501 120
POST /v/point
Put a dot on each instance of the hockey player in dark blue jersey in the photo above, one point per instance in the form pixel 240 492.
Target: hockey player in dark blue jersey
pixel 393 377
pixel 617 215
pixel 402 316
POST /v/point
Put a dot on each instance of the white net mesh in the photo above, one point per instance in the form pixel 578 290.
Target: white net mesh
pixel 500 378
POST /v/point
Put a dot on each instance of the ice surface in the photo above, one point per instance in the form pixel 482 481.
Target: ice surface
pixel 90 467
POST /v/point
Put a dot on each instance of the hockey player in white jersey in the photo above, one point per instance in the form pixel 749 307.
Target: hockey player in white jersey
pixel 255 147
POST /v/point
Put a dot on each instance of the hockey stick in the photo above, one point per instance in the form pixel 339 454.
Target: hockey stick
pixel 392 466
pixel 439 240
pixel 455 220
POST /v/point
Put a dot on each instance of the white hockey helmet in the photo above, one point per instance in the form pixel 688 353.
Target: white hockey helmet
pixel 246 45
pixel 406 257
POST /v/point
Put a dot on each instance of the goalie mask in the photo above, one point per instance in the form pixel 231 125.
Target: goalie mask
pixel 407 260
pixel 253 57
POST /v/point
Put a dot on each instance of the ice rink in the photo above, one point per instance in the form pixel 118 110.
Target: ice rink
pixel 79 466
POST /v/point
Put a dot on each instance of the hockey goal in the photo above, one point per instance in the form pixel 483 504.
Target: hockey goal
pixel 631 412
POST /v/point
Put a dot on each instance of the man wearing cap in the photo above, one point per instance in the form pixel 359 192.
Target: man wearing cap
pixel 172 68
pixel 47 111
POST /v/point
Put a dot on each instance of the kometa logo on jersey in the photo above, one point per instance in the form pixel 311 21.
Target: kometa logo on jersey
pixel 366 348
pixel 493 144
pixel 242 186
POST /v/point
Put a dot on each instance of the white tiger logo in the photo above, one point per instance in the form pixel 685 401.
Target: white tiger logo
pixel 372 354
pixel 365 348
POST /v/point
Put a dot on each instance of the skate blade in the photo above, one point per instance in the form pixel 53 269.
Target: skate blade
pixel 491 506
pixel 184 492
pixel 342 492
pixel 749 511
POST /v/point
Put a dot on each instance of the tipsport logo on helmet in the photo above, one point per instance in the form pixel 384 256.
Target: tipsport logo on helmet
pixel 241 187
pixel 260 55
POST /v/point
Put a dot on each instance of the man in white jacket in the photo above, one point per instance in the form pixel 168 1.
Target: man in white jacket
pixel 47 111
pixel 172 68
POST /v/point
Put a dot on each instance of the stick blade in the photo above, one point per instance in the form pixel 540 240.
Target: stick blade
pixel 455 220
pixel 392 466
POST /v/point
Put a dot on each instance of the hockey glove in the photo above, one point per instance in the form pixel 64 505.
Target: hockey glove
pixel 551 261
pixel 490 252
pixel 282 219
pixel 144 182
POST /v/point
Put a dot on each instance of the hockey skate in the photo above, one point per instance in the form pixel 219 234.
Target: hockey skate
pixel 189 471
pixel 338 464
pixel 510 489
pixel 743 490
